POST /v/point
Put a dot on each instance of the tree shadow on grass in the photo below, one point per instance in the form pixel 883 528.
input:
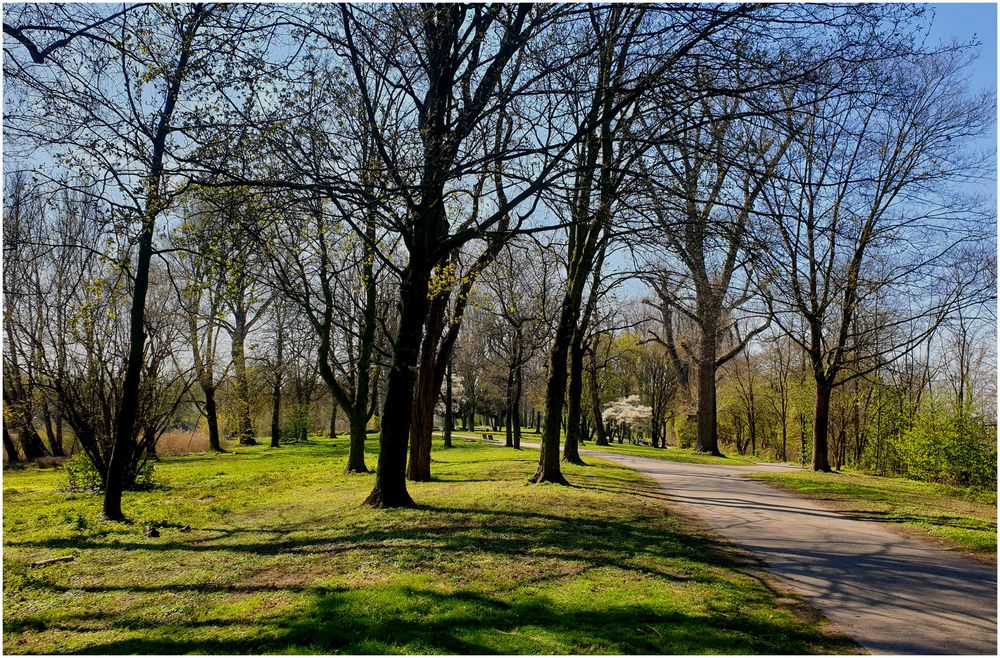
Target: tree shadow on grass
pixel 574 581
pixel 421 620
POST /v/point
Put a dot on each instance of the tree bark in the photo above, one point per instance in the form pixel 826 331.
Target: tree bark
pixel 555 390
pixel 212 418
pixel 245 431
pixel 390 475
pixel 517 406
pixel 449 417
pixel 359 432
pixel 821 425
pixel 571 449
pixel 275 414
pixel 8 443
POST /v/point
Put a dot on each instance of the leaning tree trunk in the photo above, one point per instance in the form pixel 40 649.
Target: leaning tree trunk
pixel 333 419
pixel 571 450
pixel 821 426
pixel 55 438
pixel 8 444
pixel 128 408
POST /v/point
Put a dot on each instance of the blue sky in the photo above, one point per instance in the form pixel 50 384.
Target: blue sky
pixel 968 21
pixel 973 22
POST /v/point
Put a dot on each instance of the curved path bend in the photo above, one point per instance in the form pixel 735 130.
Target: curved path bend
pixel 890 593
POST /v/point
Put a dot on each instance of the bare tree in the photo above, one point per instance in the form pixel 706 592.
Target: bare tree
pixel 857 215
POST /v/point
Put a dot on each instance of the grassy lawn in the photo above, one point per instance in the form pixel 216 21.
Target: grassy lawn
pixel 281 557
pixel 672 454
pixel 963 518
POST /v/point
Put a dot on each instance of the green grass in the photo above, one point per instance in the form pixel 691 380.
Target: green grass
pixel 282 557
pixel 672 454
pixel 963 518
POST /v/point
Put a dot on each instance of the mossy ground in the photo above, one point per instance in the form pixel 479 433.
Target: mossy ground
pixel 963 518
pixel 282 557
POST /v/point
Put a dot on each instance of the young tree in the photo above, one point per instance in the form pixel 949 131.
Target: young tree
pixel 104 91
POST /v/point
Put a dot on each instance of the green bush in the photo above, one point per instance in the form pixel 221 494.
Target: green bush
pixel 951 448
pixel 82 475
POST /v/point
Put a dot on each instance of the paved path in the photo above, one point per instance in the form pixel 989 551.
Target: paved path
pixel 890 593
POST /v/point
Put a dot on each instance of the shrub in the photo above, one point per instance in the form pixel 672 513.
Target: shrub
pixel 82 475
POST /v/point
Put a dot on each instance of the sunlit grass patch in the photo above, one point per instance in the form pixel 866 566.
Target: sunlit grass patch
pixel 282 557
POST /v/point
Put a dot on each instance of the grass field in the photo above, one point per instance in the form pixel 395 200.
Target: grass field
pixel 281 557
pixel 963 518
pixel 671 454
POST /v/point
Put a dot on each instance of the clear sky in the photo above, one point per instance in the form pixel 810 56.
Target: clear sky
pixel 968 22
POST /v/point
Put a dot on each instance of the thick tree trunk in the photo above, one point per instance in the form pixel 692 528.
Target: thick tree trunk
pixel 821 426
pixel 356 451
pixel 212 418
pixel 421 434
pixel 397 407
pixel 426 395
pixel 708 424
pixel 555 390
pixel 8 444
pixel 571 450
pixel 333 419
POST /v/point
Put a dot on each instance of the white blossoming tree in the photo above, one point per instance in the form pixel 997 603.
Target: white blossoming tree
pixel 629 416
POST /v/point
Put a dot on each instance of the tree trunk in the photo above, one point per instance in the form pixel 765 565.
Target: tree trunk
pixel 212 418
pixel 708 424
pixel 571 450
pixel 397 407
pixel 333 419
pixel 555 391
pixel 8 445
pixel 509 404
pixel 245 430
pixel 275 414
pixel 449 417
pixel 821 426
pixel 128 408
pixel 421 428
pixel 517 407
pixel 356 451
pixel 55 441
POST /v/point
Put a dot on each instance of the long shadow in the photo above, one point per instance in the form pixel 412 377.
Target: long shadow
pixel 421 620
